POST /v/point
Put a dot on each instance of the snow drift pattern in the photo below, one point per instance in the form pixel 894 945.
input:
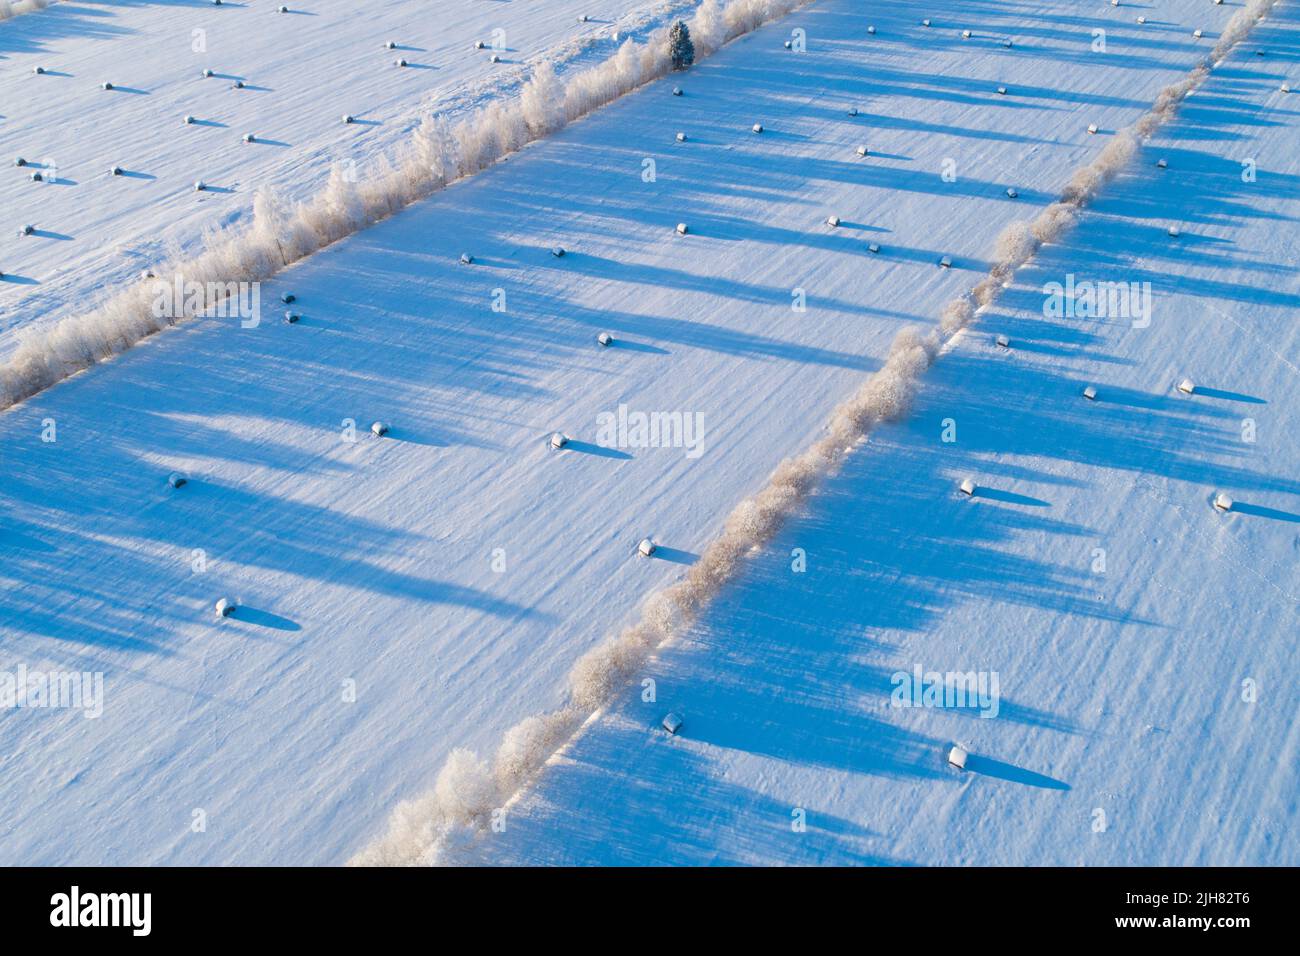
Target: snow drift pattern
pixel 438 154
pixel 440 827
pixel 14 8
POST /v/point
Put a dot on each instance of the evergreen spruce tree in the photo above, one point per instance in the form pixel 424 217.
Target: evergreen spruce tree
pixel 680 46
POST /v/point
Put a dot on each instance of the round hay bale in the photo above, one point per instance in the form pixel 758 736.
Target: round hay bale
pixel 646 548
pixel 225 607
pixel 605 339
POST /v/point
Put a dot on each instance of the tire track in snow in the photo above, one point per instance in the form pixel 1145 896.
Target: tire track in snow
pixel 442 826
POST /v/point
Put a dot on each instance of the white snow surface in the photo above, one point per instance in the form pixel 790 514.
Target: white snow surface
pixel 375 562
pixel 1144 643
pixel 301 71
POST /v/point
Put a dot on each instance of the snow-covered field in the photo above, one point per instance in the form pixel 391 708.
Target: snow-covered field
pixel 302 71
pixel 406 596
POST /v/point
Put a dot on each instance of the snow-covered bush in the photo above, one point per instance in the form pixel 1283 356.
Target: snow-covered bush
pixel 15 8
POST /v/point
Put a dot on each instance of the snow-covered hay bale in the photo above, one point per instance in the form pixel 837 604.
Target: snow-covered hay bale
pixel 864 151
pixel 1012 192
pixel 1090 393
pixel 27 229
pixel 250 137
pixel 1092 129
pixel 945 262
pixel 37 177
pixel 282 9
pixel 237 85
pixel 833 221
pixel 291 317
pixel 646 548
pixel 225 607
pixel 853 111
pixel 199 185
pixel 19 161
pixel 1198 34
pixel 967 486
pixel 1002 341
pixel 188 120
pixel 466 259
pixel 1223 501
pixel 757 127
pixel 379 429
pixel 559 440
pixel 605 339
pixel 925 22
pixel 681 137
pixel 677 91
pixel 957 757
pixel 1174 232
pixel 494 58
pixel 347 119
pixel 480 45
pixel 1002 91
pixel 965 34
pixel 1187 386
pixel 682 229
pixel 873 247
pixel 871 30
pixel 390 45
pixel 115 170
pixel 287 297
pixel 672 723
pixel 207 73
pixel 1162 164
pixel 177 480
pixel 558 252
pixel 38 70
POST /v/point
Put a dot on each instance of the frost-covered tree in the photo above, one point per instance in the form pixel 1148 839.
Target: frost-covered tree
pixel 680 47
